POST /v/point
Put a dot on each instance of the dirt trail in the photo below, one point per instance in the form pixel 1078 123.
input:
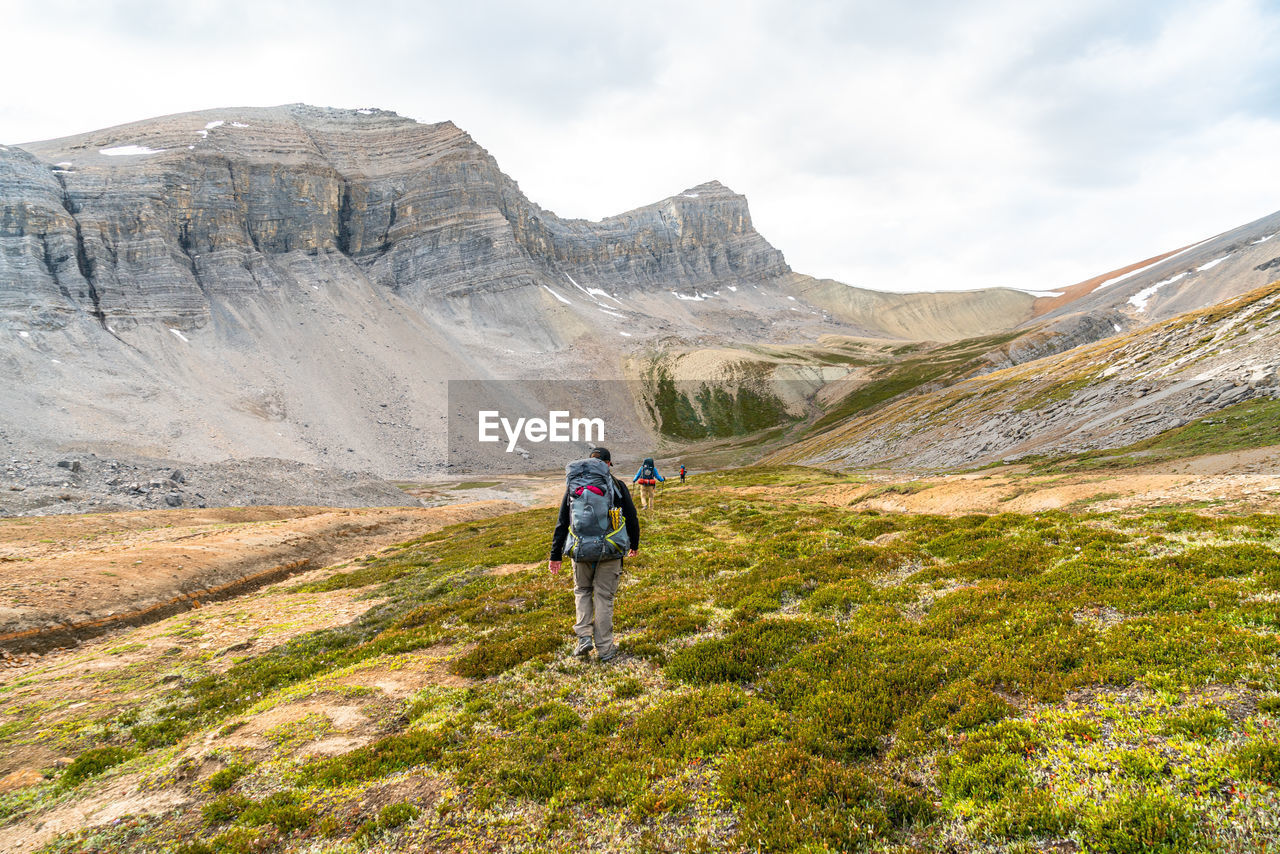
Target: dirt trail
pixel 63 579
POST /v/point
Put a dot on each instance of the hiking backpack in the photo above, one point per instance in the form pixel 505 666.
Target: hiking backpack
pixel 596 529
pixel 647 473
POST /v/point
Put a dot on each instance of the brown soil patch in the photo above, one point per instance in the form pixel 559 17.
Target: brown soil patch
pixel 56 701
pixel 512 568
pixel 413 672
pixel 1044 305
pixel 340 725
pixel 117 800
pixel 20 779
pixel 67 690
pixel 1237 482
pixel 67 578
pixel 339 722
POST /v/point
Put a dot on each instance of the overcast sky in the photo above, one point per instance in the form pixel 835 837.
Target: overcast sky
pixel 899 146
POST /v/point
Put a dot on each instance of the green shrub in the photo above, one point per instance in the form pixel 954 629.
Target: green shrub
pixel 604 723
pixel 541 766
pixel 280 810
pixel 988 765
pixel 841 597
pixel 789 799
pixel 224 809
pixel 657 800
pixel 988 778
pixel 1029 813
pixel 1232 560
pixel 742 656
pixel 1142 764
pixel 963 706
pixel 622 782
pixel 239 840
pixel 394 815
pixel 227 777
pixel 549 718
pixel 392 753
pixel 1259 760
pixel 194 848
pixel 1269 705
pixel 92 762
pixel 702 723
pixel 1141 823
pixel 1202 722
pixel 836 723
pixel 628 688
pixel 503 651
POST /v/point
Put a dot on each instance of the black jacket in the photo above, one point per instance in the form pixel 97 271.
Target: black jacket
pixel 628 515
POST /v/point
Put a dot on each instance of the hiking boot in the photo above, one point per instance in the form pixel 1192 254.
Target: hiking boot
pixel 610 655
pixel 583 649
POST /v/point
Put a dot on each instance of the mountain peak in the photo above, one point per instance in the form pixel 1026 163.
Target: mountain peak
pixel 708 188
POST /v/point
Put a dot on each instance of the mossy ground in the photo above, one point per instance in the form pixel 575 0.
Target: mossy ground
pixel 794 679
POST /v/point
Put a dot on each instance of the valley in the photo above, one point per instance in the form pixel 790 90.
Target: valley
pixel 998 659
pixel 983 571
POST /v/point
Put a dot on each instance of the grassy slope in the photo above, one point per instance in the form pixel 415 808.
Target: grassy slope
pixel 799 676
pixel 893 371
pixel 1151 352
pixel 916 366
pixel 1252 424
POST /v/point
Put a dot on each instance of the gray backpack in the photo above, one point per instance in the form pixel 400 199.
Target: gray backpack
pixel 596 528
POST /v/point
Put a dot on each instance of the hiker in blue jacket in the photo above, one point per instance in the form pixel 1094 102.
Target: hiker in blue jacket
pixel 648 478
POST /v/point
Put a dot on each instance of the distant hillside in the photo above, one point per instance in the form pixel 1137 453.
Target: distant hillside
pixel 1102 395
pixel 301 283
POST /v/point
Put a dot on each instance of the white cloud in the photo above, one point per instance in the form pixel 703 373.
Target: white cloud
pixel 898 146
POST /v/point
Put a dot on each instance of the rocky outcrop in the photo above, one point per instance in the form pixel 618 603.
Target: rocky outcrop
pixel 44 272
pixel 304 283
pixel 1102 395
pixel 1056 336
pixel 152 220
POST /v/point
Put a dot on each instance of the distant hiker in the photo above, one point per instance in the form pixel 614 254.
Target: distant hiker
pixel 599 521
pixel 683 472
pixel 648 478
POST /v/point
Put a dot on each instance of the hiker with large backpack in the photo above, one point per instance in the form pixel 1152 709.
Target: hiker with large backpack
pixel 684 472
pixel 598 526
pixel 648 478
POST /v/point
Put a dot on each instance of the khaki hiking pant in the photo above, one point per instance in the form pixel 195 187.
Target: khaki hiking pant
pixel 593 587
pixel 646 495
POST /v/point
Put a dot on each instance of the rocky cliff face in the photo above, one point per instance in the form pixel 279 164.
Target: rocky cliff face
pixel 159 219
pixel 302 283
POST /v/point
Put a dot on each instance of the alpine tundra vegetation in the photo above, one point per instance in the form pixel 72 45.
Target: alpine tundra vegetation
pixel 796 676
